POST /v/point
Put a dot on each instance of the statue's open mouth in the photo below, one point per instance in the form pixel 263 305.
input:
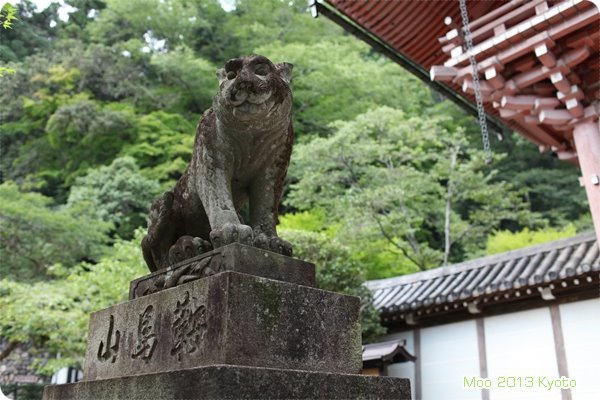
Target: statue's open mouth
pixel 239 97
pixel 254 105
pixel 247 107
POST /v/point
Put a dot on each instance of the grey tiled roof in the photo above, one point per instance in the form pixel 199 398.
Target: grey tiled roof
pixel 391 352
pixel 544 265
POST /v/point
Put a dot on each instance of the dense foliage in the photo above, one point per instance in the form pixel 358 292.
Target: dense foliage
pixel 503 241
pixel 409 182
pixel 336 271
pixel 98 116
pixel 35 236
pixel 53 315
pixel 117 194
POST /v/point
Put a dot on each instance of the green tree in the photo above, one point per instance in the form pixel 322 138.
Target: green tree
pixel 46 118
pixel 551 186
pixel 408 181
pixel 312 220
pixel 326 91
pixel 83 134
pixel 256 23
pixel 502 241
pixel 173 21
pixel 337 272
pixel 52 316
pixel 30 30
pixel 125 79
pixel 7 16
pixel 117 193
pixel 81 14
pixel 19 126
pixel 191 80
pixel 34 235
pixel 163 147
pixel 212 37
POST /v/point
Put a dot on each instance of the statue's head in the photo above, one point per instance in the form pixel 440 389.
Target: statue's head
pixel 253 88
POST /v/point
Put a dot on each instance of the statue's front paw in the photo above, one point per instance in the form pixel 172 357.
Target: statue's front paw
pixel 188 247
pixel 231 233
pixel 274 244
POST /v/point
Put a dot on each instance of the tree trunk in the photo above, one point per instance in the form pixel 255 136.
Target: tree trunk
pixel 447 241
pixel 10 346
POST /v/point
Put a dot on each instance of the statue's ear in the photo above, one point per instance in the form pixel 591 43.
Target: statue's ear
pixel 285 71
pixel 221 75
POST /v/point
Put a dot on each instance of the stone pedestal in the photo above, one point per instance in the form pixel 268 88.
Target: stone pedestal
pixel 234 382
pixel 227 318
pixel 235 257
pixel 228 334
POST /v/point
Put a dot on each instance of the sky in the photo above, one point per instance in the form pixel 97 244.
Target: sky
pixel 63 12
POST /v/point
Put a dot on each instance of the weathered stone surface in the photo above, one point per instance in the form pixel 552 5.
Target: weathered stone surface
pixel 235 382
pixel 234 257
pixel 241 155
pixel 227 318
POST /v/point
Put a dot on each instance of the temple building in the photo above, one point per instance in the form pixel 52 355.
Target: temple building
pixel 526 66
pixel 537 65
pixel 528 312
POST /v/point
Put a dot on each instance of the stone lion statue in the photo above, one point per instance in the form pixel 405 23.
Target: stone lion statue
pixel 241 155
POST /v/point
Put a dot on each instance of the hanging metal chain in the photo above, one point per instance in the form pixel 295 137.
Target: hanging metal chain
pixel 478 98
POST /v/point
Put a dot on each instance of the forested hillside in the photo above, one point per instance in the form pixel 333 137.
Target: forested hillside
pixel 98 118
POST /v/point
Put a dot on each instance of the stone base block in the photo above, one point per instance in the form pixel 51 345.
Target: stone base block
pixel 234 382
pixel 233 257
pixel 227 318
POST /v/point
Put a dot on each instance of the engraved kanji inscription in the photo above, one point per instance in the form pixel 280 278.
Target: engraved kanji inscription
pixel 109 350
pixel 146 336
pixel 189 326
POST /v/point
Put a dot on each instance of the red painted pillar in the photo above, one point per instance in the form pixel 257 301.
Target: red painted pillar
pixel 587 142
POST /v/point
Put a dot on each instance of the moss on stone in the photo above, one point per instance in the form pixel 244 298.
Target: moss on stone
pixel 269 298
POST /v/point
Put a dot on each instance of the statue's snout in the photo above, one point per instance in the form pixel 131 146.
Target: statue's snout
pixel 243 85
pixel 239 92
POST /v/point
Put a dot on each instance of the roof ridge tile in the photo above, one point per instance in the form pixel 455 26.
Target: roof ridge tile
pixel 486 261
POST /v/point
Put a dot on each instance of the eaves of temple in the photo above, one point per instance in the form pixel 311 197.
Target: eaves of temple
pixel 537 62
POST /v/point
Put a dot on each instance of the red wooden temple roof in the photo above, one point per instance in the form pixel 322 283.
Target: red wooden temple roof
pixel 511 36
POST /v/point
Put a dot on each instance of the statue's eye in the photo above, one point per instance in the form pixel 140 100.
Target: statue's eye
pixel 262 70
pixel 231 75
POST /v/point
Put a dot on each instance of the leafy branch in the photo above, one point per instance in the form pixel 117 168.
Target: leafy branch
pixel 7 15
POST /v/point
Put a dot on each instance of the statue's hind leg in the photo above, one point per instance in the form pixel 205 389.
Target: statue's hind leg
pixel 161 232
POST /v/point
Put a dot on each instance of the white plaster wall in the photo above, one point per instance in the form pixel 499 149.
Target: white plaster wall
pixel 448 353
pixel 581 333
pixel 521 344
pixel 407 369
pixel 60 376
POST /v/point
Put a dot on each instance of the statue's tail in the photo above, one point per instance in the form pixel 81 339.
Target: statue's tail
pixel 156 243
